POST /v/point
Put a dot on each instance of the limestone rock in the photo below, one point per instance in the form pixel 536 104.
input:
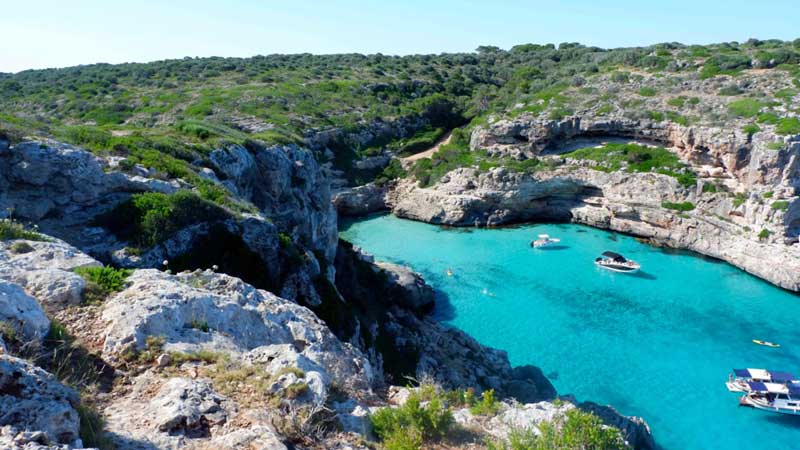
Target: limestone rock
pixel 23 314
pixel 185 406
pixel 412 292
pixel 34 401
pixel 360 200
pixel 238 319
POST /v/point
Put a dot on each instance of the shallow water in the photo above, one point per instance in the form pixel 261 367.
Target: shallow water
pixel 659 344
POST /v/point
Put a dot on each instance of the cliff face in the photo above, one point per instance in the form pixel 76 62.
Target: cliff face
pixel 340 328
pixel 755 189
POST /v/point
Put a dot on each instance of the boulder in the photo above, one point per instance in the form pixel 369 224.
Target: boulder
pixel 408 287
pixel 212 311
pixel 22 314
pixel 34 401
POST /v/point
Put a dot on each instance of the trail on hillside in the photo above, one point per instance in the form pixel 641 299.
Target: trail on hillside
pixel 428 153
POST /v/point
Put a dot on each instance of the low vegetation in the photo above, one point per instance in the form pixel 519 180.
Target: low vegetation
pixel 410 426
pixel 11 229
pixel 150 218
pixel 102 282
pixel 780 205
pixel 575 430
pixel 636 158
pixel 682 206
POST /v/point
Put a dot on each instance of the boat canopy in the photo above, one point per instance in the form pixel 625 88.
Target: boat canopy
pixel 781 377
pixel 794 388
pixel 615 256
pixel 544 236
pixel 756 374
pixel 769 388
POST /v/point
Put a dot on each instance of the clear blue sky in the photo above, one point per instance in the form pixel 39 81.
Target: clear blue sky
pixel 57 33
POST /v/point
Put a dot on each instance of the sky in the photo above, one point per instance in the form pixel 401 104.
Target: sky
pixel 58 33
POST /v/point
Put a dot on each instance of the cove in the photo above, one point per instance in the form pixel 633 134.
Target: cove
pixel 658 344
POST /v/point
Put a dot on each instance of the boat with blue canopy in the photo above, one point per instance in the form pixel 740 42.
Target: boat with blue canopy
pixel 739 380
pixel 774 397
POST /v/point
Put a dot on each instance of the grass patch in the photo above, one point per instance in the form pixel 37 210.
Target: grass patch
pixel 647 92
pixel 11 229
pixel 751 129
pixel 739 199
pixel 788 125
pixel 746 107
pixel 780 205
pixel 764 234
pixel 682 206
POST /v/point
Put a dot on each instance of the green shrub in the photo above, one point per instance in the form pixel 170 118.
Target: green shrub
pixel 391 172
pixel 788 125
pixel 739 199
pixel 751 129
pixel 636 158
pixel 780 205
pixel 411 425
pixel 488 405
pixel 710 187
pixel 647 91
pixel 575 430
pixel 11 229
pixel 746 107
pixel 102 282
pixel 764 234
pixel 768 194
pixel 150 218
pixel 676 102
pixel 682 206
pixel 768 117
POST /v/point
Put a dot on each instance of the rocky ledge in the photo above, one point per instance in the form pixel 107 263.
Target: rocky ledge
pixel 751 217
pixel 201 359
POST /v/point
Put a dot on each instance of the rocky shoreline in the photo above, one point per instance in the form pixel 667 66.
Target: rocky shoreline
pixel 736 222
pixel 201 350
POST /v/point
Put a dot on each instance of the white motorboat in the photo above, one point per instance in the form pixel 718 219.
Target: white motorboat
pixel 773 397
pixel 544 240
pixel 739 380
pixel 617 263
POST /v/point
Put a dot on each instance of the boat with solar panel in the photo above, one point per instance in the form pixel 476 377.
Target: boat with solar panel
pixel 740 379
pixel 774 397
pixel 617 263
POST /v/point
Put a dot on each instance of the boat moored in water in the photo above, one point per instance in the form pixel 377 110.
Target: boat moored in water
pixel 773 397
pixel 739 380
pixel 766 343
pixel 617 263
pixel 544 240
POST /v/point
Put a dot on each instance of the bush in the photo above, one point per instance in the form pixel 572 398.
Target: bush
pixel 488 405
pixel 788 125
pixel 682 206
pixel 746 107
pixel 575 430
pixel 409 426
pixel 780 205
pixel 150 218
pixel 739 199
pixel 647 92
pixel 10 229
pixel 20 247
pixel 763 234
pixel 751 129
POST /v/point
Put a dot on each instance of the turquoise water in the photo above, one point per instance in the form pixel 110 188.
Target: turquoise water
pixel 659 344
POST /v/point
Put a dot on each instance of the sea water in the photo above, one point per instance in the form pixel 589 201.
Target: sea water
pixel 658 344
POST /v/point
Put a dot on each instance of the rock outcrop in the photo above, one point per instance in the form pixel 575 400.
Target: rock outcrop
pixel 33 401
pixel 750 219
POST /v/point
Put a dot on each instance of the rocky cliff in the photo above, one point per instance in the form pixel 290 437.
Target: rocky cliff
pixel 246 325
pixel 749 217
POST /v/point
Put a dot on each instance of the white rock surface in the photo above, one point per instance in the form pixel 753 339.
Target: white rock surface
pixel 22 313
pixel 34 401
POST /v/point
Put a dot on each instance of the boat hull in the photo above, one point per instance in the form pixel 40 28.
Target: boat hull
pixel 746 401
pixel 618 269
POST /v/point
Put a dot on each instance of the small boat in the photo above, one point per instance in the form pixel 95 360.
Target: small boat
pixel 449 273
pixel 773 397
pixel 544 240
pixel 617 263
pixel 766 343
pixel 739 379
